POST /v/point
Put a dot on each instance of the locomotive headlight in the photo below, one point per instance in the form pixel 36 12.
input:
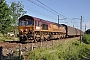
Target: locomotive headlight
pixel 25 30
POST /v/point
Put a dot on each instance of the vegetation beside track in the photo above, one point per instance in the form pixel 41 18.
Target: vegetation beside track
pixel 66 50
pixel 7 38
pixel 86 38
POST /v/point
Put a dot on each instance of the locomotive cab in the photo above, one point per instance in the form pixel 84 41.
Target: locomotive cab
pixel 26 27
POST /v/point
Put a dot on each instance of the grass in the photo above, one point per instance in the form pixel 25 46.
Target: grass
pixel 67 50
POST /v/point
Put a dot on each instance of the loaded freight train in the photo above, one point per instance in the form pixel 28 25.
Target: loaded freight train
pixel 32 28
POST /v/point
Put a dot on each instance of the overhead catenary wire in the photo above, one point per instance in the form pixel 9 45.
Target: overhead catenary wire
pixel 47 7
pixel 41 6
pixel 52 10
pixel 40 13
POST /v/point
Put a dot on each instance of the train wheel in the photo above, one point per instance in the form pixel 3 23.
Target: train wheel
pixel 25 38
pixel 20 38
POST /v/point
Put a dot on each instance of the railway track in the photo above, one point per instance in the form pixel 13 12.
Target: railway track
pixel 10 44
pixel 16 44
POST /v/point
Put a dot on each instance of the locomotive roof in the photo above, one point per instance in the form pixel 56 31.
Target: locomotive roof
pixel 26 17
pixel 35 18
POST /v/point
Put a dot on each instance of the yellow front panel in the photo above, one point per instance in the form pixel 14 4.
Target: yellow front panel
pixel 25 28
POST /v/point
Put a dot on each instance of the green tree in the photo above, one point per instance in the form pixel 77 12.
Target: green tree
pixel 88 31
pixel 17 11
pixel 5 17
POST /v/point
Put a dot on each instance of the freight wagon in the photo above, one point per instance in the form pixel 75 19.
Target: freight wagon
pixel 71 31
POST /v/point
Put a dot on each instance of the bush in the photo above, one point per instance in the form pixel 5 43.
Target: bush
pixel 86 38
